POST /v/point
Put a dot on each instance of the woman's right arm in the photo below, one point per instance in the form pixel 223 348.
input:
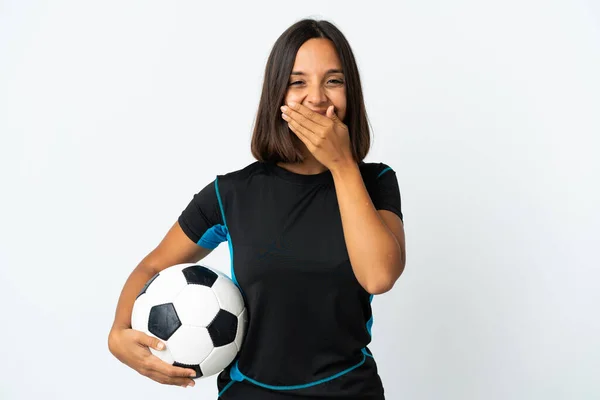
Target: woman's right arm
pixel 130 346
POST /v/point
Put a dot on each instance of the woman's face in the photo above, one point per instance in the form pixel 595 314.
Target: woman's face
pixel 317 80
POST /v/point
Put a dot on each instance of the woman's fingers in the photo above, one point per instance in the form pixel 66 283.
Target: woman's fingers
pixel 170 380
pixel 158 365
pixel 159 370
pixel 149 341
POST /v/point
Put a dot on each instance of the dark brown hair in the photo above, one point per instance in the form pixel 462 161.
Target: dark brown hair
pixel 272 141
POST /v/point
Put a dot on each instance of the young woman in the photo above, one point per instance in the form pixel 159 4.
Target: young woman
pixel 314 232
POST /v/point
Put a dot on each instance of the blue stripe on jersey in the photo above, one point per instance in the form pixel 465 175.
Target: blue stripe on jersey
pixel 384 171
pixel 370 321
pixel 236 375
pixel 364 351
pixel 225 388
pixel 226 231
pixel 369 327
pixel 213 237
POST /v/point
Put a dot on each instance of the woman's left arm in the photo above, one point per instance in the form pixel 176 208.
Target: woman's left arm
pixel 374 239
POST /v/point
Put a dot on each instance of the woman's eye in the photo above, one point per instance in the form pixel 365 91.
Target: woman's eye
pixel 331 81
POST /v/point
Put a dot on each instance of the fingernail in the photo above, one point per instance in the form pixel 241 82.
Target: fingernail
pixel 283 108
pixel 291 104
pixel 160 346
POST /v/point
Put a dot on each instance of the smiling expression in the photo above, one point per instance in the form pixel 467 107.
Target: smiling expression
pixel 317 80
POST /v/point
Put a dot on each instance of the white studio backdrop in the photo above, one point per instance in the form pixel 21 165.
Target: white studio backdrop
pixel 114 113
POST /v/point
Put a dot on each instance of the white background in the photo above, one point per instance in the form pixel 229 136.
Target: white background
pixel 114 113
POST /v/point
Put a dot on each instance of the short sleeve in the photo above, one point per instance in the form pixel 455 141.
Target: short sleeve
pixel 202 221
pixel 386 192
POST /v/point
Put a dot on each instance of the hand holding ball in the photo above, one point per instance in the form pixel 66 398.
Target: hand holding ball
pixel 199 314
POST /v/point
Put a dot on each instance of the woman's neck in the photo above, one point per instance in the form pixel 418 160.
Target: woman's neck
pixel 310 166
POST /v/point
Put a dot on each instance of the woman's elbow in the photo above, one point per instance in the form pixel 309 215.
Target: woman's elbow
pixel 384 282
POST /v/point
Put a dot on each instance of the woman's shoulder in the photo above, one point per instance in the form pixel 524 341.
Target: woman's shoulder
pixel 374 170
pixel 244 172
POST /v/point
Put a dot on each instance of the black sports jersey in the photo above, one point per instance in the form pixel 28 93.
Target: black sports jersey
pixel 309 320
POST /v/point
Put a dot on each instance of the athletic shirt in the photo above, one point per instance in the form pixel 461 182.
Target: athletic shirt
pixel 309 320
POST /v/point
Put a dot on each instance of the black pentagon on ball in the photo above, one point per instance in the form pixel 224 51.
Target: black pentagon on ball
pixel 146 285
pixel 223 328
pixel 163 321
pixel 199 275
pixel 195 367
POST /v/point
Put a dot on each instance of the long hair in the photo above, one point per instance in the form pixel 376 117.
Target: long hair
pixel 272 141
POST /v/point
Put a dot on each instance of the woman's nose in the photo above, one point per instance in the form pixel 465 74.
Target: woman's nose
pixel 316 95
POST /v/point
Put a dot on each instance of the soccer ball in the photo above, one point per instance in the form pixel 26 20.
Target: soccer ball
pixel 199 314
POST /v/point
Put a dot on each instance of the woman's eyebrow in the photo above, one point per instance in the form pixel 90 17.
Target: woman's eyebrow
pixel 329 71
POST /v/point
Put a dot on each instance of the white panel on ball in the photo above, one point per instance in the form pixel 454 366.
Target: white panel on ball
pixel 218 359
pixel 170 284
pixel 190 344
pixel 219 272
pixel 140 313
pixel 164 355
pixel 241 329
pixel 196 305
pixel 228 295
